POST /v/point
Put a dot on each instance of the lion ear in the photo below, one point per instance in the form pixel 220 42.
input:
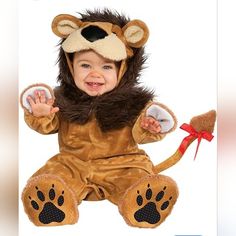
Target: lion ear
pixel 64 24
pixel 136 33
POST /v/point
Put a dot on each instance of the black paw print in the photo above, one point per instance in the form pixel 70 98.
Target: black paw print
pixel 149 212
pixel 49 213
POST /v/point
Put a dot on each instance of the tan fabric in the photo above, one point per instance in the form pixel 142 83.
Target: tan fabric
pixel 98 179
pixel 95 164
pixel 88 142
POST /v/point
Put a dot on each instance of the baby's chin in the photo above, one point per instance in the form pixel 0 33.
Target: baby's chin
pixel 94 93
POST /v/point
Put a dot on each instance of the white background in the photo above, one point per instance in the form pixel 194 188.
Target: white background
pixel 182 67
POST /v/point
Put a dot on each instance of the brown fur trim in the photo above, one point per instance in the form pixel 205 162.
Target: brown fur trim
pixel 113 110
pixel 104 15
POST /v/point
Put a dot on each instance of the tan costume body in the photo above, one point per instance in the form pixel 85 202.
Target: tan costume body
pixel 96 165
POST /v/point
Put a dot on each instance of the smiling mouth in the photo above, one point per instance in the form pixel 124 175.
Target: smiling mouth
pixel 94 85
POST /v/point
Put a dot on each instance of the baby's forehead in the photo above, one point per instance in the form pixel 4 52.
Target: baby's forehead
pixel 91 54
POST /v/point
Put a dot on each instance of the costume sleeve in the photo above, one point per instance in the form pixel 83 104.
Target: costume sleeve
pixel 44 125
pixel 161 113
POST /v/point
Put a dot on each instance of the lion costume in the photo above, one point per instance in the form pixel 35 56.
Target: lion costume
pixel 98 136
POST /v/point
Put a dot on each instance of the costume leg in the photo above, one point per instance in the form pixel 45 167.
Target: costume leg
pixel 52 194
pixel 113 176
pixel 149 201
pixel 144 198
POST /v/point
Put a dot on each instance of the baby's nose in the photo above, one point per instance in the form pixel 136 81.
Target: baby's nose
pixel 95 74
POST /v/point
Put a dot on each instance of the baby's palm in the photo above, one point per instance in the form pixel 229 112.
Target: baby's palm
pixel 40 105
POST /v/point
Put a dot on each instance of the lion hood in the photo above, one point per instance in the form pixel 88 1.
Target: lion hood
pixel 115 109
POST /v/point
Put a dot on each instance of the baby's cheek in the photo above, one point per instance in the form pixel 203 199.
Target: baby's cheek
pixel 78 83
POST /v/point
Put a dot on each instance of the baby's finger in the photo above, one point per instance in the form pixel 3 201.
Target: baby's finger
pixel 42 96
pixel 36 96
pixel 156 123
pixel 155 130
pixel 31 101
pixel 157 127
pixel 145 124
pixel 152 121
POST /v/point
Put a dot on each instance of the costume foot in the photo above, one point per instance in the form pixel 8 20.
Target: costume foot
pixel 48 201
pixel 148 202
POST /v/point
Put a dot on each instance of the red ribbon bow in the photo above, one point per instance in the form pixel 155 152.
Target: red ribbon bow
pixel 193 134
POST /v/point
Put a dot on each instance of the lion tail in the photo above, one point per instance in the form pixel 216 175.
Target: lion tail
pixel 200 127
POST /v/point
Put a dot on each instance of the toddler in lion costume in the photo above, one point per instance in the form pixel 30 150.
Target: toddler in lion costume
pixel 101 114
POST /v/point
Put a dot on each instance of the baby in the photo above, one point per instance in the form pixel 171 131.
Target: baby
pixel 101 114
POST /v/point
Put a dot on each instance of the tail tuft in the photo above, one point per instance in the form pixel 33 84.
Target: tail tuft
pixel 204 122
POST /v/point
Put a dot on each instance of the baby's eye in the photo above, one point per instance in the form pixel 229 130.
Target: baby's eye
pixel 84 65
pixel 107 67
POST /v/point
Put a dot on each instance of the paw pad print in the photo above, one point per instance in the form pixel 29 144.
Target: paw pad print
pixel 151 211
pixel 48 210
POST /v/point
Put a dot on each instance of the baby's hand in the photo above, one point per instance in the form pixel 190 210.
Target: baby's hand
pixel 150 124
pixel 40 105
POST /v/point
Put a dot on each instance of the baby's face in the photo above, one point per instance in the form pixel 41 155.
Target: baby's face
pixel 94 74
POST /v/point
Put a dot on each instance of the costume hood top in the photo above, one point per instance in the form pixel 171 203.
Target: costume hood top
pixel 115 37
